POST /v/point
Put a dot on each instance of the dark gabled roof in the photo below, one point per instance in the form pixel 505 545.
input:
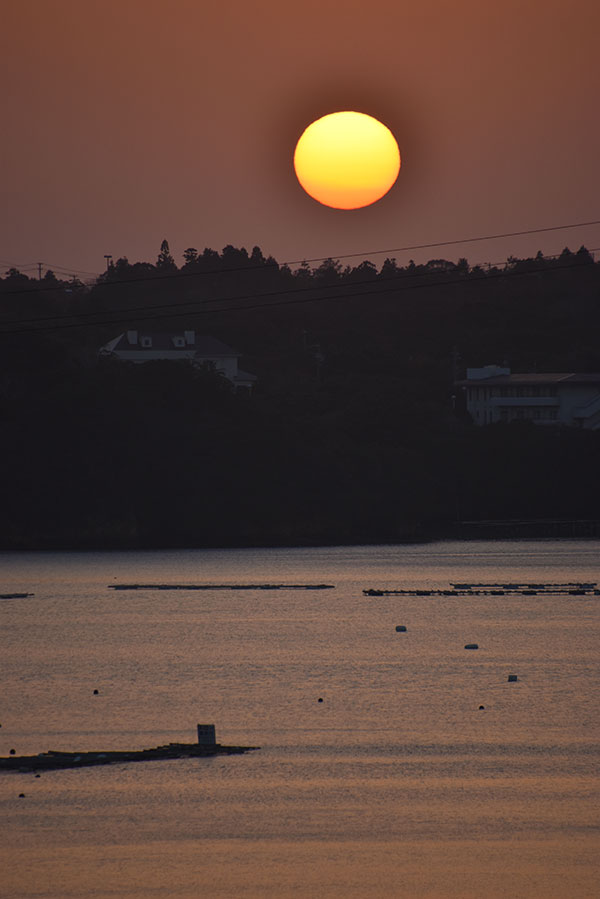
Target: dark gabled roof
pixel 532 378
pixel 210 346
pixel 163 340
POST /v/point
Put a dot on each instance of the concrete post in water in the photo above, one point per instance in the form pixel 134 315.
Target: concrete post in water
pixel 206 735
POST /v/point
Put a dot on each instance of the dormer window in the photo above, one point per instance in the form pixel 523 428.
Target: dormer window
pixel 146 341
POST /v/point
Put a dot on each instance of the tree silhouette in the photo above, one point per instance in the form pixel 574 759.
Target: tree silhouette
pixel 350 434
pixel 165 262
pixel 190 255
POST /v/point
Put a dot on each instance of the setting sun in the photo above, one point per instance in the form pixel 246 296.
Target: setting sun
pixel 347 160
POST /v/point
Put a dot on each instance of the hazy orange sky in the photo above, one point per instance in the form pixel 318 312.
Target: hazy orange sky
pixel 129 121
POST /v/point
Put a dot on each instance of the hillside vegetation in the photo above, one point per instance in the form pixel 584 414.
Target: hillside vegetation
pixel 355 431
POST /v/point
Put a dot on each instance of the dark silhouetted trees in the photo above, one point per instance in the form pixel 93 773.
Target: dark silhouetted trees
pixel 351 433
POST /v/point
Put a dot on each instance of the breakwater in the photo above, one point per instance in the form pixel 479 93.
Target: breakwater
pixel 52 759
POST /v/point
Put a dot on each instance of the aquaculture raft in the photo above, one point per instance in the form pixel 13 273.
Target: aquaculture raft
pixel 221 586
pixel 506 589
pixel 52 760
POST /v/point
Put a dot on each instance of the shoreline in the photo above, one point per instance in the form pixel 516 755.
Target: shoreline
pixel 468 531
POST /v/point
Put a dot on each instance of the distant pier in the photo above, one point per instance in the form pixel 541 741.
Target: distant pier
pixel 53 760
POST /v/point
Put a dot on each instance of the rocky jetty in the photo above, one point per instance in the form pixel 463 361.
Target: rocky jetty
pixel 52 759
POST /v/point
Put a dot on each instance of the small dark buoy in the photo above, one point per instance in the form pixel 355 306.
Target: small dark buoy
pixel 37 775
pixel 481 707
pixel 13 752
pixel 95 692
pixel 471 645
pixel 400 628
pixel 319 699
pixel 21 795
pixel 512 678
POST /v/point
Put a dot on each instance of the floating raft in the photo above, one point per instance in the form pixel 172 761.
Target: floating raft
pixel 52 760
pixel 570 589
pixel 582 585
pixel 222 586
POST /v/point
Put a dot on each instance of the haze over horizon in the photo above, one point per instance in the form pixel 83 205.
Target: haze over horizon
pixel 130 122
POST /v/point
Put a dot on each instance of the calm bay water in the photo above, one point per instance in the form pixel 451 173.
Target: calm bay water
pixel 397 784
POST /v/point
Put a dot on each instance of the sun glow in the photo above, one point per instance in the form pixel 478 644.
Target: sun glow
pixel 347 160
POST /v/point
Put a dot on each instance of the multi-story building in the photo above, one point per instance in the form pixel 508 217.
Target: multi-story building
pixel 494 394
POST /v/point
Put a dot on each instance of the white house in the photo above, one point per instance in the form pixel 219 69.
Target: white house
pixel 495 394
pixel 186 346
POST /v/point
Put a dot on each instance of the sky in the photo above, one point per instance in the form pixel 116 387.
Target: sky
pixel 126 122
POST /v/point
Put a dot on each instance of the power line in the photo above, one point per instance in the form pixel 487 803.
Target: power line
pixel 48 265
pixel 69 271
pixel 257 268
pixel 145 308
pixel 449 243
pixel 396 288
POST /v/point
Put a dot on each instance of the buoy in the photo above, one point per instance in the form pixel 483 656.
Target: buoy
pixel 21 795
pixel 471 645
pixel 13 752
pixel 512 678
pixel 319 699
pixel 95 692
pixel 400 628
pixel 37 775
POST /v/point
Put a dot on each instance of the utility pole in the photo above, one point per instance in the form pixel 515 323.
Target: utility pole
pixel 39 265
pixel 108 257
pixel 455 358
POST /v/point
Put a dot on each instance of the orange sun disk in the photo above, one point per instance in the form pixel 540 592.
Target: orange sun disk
pixel 347 160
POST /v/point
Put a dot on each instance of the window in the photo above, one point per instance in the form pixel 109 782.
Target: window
pixel 146 341
pixel 528 390
pixel 528 413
